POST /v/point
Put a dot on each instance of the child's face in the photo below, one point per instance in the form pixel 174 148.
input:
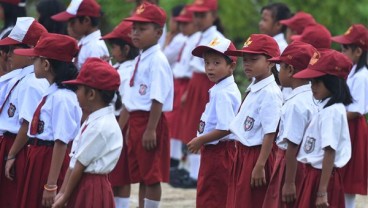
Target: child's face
pixel 257 66
pixel 117 54
pixel 4 63
pixel 78 28
pixel 319 90
pixel 289 33
pixel 204 20
pixel 285 74
pixel 187 28
pixel 40 67
pixel 216 66
pixel 145 35
pixel 267 24
pixel 353 55
pixel 83 95
pixel 17 61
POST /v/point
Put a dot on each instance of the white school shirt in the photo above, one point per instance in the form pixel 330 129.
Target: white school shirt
pixel 91 46
pixel 281 41
pixel 172 50
pixel 153 80
pixel 259 114
pixel 60 116
pixel 98 143
pixel 23 100
pixel 4 81
pixel 296 114
pixel 225 99
pixel 162 39
pixel 358 85
pixel 182 68
pixel 329 127
pixel 207 36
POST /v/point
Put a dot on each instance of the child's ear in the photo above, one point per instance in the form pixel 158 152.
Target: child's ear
pixel 278 25
pixel 86 20
pixel 291 70
pixel 358 52
pixel 159 32
pixel 91 94
pixel 125 50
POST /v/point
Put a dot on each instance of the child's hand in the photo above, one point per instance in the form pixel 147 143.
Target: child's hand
pixel 288 192
pixel 258 177
pixel 58 196
pixel 60 202
pixel 9 169
pixel 321 201
pixel 149 141
pixel 48 198
pixel 183 99
pixel 195 145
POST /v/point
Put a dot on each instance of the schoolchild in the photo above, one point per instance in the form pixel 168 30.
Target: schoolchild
pixel 354 44
pixel 296 113
pixel 297 23
pixel 83 17
pixel 55 122
pixel 213 140
pixel 22 95
pixel 150 93
pixel 316 35
pixel 255 124
pixel 97 146
pixel 11 10
pixel 124 53
pixel 326 143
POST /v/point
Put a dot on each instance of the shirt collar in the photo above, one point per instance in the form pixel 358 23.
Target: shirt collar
pixel 223 83
pixel 279 37
pixel 261 84
pixel 99 113
pixel 93 36
pixel 10 75
pixel 26 70
pixel 352 71
pixel 321 104
pixel 298 90
pixel 51 89
pixel 150 50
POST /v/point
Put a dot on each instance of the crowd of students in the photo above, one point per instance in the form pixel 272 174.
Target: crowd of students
pixel 77 131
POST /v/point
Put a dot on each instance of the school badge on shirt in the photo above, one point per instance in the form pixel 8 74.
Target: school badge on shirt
pixel 248 123
pixel 40 127
pixel 142 89
pixel 11 110
pixel 309 145
pixel 201 126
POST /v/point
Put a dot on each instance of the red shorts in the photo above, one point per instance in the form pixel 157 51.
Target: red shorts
pixel 93 190
pixel 9 189
pixel 308 194
pixel 240 193
pixel 214 174
pixel 355 172
pixel 194 106
pixel 148 167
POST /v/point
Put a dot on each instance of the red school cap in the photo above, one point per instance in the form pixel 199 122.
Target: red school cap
pixel 257 44
pixel 220 45
pixel 53 46
pixel 326 61
pixel 78 8
pixel 316 35
pixel 299 21
pixel 26 31
pixel 357 34
pixel 203 6
pixel 185 15
pixel 148 12
pixel 297 54
pixel 122 31
pixel 97 74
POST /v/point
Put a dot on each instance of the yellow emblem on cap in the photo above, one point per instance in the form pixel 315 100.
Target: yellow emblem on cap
pixel 314 58
pixel 290 57
pixel 247 43
pixel 348 31
pixel 140 9
pixel 214 42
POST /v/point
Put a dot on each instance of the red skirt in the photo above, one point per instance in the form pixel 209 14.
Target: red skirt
pixel 148 167
pixel 195 104
pixel 273 197
pixel 308 195
pixel 173 117
pixel 355 172
pixel 240 193
pixel 37 171
pixel 214 174
pixel 92 191
pixel 8 188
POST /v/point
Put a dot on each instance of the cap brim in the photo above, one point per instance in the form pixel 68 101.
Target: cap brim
pixel 137 19
pixel 198 9
pixel 340 39
pixel 62 16
pixel 73 82
pixel 308 74
pixel 240 52
pixel 26 52
pixel 286 22
pixel 275 60
pixel 198 51
pixel 296 37
pixel 9 41
pixel 183 19
pixel 109 36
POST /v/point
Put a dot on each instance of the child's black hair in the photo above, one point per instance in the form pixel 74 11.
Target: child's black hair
pixel 46 9
pixel 363 59
pixel 274 71
pixel 108 96
pixel 280 11
pixel 175 11
pixel 63 71
pixel 227 58
pixel 5 48
pixel 133 51
pixel 338 88
pixel 95 21
pixel 11 13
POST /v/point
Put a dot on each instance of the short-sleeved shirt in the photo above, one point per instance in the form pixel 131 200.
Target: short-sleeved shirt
pixel 296 114
pixel 153 81
pixel 98 143
pixel 4 81
pixel 328 128
pixel 358 85
pixel 125 71
pixel 281 41
pixel 173 49
pixel 91 46
pixel 60 116
pixel 206 37
pixel 225 99
pixel 259 113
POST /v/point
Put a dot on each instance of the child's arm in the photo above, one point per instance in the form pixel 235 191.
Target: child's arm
pixel 18 144
pixel 258 174
pixel 63 186
pixel 149 135
pixel 327 167
pixel 289 189
pixel 195 145
pixel 123 118
pixel 58 155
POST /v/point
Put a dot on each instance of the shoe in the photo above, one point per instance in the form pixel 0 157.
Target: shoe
pixel 186 183
pixel 174 163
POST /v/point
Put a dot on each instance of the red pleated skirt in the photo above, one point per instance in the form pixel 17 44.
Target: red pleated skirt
pixel 355 172
pixel 92 191
pixel 194 106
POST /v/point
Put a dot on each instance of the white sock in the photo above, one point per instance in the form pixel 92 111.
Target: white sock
pixel 349 200
pixel 194 163
pixel 121 202
pixel 151 203
pixel 175 149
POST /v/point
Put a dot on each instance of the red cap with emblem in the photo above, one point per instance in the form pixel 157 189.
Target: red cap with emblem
pixel 324 62
pixel 97 74
pixel 79 8
pixel 148 12
pixel 220 45
pixel 316 35
pixel 122 31
pixel 257 44
pixel 184 16
pixel 356 34
pixel 299 21
pixel 203 6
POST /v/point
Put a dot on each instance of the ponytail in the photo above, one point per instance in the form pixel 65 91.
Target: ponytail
pixel 118 103
pixel 63 71
pixel 275 74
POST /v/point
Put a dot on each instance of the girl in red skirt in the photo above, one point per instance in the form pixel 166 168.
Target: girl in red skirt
pixel 55 122
pixel 354 44
pixel 255 124
pixel 296 114
pixel 326 143
pixel 97 147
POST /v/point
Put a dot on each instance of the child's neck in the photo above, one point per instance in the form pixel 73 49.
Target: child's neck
pixel 96 106
pixel 144 49
pixel 298 82
pixel 90 30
